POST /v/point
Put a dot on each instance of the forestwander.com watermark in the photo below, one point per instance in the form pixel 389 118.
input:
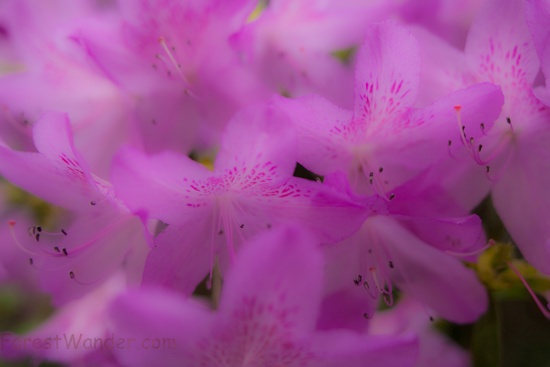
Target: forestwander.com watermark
pixel 9 341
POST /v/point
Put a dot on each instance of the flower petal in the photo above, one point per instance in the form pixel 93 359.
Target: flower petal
pixel 386 78
pixel 521 200
pixel 436 279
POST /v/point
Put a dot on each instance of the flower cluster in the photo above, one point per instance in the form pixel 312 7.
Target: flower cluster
pixel 243 183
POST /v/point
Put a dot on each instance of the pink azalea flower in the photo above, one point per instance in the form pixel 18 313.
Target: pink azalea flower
pixel 384 142
pixel 266 317
pixel 175 58
pixel 416 247
pixel 101 230
pixel 209 214
pixel 514 152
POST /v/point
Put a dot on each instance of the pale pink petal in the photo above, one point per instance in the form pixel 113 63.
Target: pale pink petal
pixel 270 280
pixel 409 151
pixel 386 78
pixel 444 68
pixel 521 200
pixel 166 187
pixel 344 348
pixel 435 348
pixel 261 137
pixel 157 327
pixel 321 128
pixel 68 264
pixel 328 213
pixel 182 256
pixel 62 337
pixel 537 14
pixel 500 47
pixel 65 179
pixel 438 280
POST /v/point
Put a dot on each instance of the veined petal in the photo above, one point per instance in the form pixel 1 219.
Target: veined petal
pixel 270 280
pixel 65 178
pixel 261 137
pixel 501 49
pixel 386 78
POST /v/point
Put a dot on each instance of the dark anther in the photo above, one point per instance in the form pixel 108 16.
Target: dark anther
pixel 487 169
pixel 242 226
pixel 37 237
pixel 392 196
pixel 381 169
pixel 268 225
pixel 56 249
pixel 358 280
pixel 450 143
pixel 220 232
pixel 371 174
pixel 508 120
pixel 39 229
pixel 479 148
pixel 93 203
pixel 370 251
pixel 64 232
pixel 482 126
pixel 31 261
pixel 65 252
pixel 71 274
pixel 366 285
pixel 390 263
pixel 431 319
pixel 366 315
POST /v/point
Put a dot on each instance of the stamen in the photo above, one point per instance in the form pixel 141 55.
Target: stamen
pixel 374 180
pixel 172 58
pixel 545 310
pixel 462 128
pixel 509 121
pixel 358 280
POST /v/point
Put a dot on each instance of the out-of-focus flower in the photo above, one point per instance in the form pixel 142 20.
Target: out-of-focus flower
pixel 266 317
pixel 101 237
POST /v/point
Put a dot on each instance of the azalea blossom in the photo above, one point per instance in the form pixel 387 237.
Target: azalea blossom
pixel 266 316
pixel 102 230
pixel 209 214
